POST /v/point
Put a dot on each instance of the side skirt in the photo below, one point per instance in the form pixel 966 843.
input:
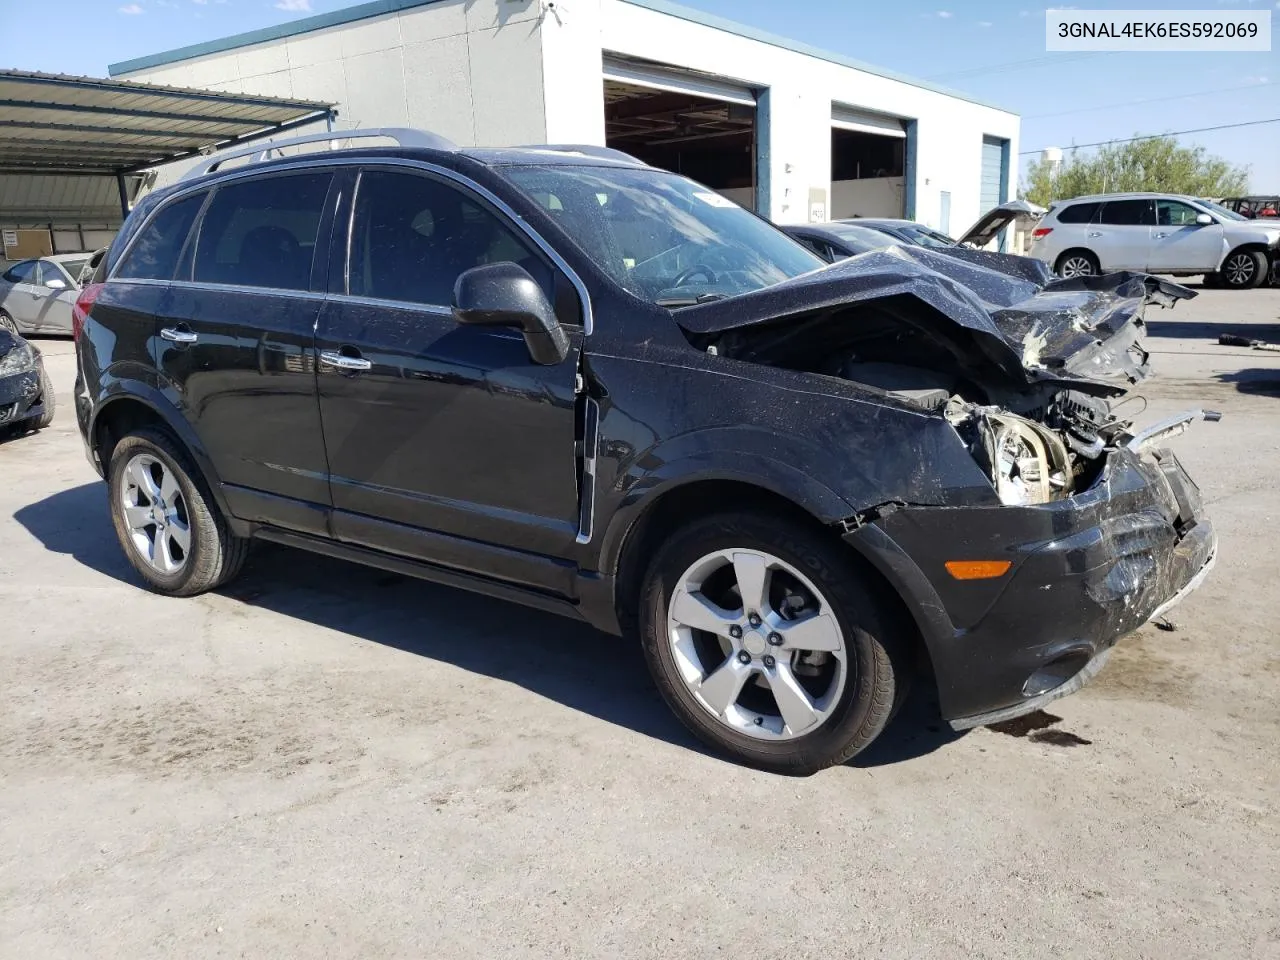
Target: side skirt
pixel 421 570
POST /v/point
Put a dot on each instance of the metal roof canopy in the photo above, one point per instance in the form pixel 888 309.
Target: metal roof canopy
pixel 81 126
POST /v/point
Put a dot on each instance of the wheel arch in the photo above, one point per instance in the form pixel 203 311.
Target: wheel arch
pixel 634 536
pixel 132 405
pixel 1058 261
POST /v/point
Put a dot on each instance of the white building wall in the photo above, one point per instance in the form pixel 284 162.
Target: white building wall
pixel 801 88
pixel 505 72
pixel 469 70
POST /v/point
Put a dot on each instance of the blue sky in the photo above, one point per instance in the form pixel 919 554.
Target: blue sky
pixel 993 50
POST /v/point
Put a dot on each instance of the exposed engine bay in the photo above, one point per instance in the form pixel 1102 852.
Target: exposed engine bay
pixel 1030 371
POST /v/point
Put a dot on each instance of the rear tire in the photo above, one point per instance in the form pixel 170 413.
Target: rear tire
pixel 813 599
pixel 1244 269
pixel 168 525
pixel 1077 263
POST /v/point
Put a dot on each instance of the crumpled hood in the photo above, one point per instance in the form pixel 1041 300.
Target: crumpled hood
pixel 1033 326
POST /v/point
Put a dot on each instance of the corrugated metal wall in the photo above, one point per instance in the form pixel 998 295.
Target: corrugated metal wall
pixel 58 199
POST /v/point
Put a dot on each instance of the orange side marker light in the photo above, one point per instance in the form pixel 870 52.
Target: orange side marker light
pixel 978 569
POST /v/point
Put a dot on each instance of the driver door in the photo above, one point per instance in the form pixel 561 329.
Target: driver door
pixel 21 300
pixel 57 295
pixel 446 443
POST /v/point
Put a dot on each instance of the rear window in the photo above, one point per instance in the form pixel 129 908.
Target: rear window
pixel 1077 213
pixel 1127 213
pixel 262 233
pixel 154 255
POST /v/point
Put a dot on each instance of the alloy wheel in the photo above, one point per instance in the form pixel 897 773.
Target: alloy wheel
pixel 757 645
pixel 7 323
pixel 1077 267
pixel 155 513
pixel 1239 269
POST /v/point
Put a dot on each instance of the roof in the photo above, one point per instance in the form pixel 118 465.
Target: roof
pixel 378 8
pixel 55 124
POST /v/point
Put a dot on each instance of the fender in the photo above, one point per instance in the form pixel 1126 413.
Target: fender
pixel 639 493
pixel 151 397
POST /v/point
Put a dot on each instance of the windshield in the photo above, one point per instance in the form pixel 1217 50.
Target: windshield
pixel 926 237
pixel 1219 209
pixel 663 237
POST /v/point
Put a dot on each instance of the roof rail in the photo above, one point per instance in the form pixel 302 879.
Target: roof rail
pixel 587 150
pixel 403 136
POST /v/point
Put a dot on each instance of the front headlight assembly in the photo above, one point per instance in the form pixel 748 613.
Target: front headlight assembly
pixel 21 359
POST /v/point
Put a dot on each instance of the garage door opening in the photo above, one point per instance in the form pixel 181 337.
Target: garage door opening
pixel 868 164
pixel 685 123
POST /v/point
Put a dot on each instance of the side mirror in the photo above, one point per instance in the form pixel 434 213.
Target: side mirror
pixel 504 295
pixel 1203 219
pixel 56 283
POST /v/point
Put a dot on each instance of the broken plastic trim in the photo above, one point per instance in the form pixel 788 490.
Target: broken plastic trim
pixel 1169 427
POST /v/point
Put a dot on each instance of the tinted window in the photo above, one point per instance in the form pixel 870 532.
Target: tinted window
pixel 24 272
pixel 1126 212
pixel 818 247
pixel 262 233
pixel 1174 213
pixel 412 236
pixel 155 253
pixel 1078 213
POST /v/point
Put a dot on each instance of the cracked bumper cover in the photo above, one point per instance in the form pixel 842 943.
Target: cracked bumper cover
pixel 20 396
pixel 1085 571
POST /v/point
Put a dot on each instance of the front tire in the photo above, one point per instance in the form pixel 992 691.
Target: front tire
pixel 168 525
pixel 765 640
pixel 47 399
pixel 8 323
pixel 1243 269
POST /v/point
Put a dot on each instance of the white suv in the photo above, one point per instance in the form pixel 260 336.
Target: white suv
pixel 1155 233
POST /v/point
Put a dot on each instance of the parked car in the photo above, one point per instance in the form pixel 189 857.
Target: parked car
pixel 36 296
pixel 1255 207
pixel 847 238
pixel 1156 233
pixel 986 229
pixel 839 239
pixel 561 377
pixel 26 393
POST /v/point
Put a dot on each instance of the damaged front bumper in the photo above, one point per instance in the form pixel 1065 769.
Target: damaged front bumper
pixel 1085 571
pixel 21 397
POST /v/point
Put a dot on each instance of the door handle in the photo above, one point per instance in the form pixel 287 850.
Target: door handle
pixel 1091 235
pixel 341 361
pixel 1159 236
pixel 178 335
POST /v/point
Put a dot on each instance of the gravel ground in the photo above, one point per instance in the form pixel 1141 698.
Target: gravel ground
pixel 327 760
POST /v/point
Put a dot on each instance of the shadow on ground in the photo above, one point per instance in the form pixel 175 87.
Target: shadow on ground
pixel 557 658
pixel 1210 330
pixel 1259 381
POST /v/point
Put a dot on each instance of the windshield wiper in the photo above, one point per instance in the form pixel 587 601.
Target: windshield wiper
pixel 689 301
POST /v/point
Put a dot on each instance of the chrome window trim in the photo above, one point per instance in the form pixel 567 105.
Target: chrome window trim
pixel 212 287
pixel 304 163
pixel 431 308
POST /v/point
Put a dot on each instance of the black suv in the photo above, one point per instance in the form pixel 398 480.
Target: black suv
pixel 564 378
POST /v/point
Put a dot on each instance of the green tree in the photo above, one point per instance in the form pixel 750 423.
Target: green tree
pixel 1154 163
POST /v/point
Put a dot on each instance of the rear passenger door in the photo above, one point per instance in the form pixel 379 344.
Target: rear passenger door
pixel 1120 235
pixel 21 300
pixel 236 342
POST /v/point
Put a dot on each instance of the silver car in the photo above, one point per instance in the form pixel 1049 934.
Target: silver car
pixel 36 296
pixel 1156 233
